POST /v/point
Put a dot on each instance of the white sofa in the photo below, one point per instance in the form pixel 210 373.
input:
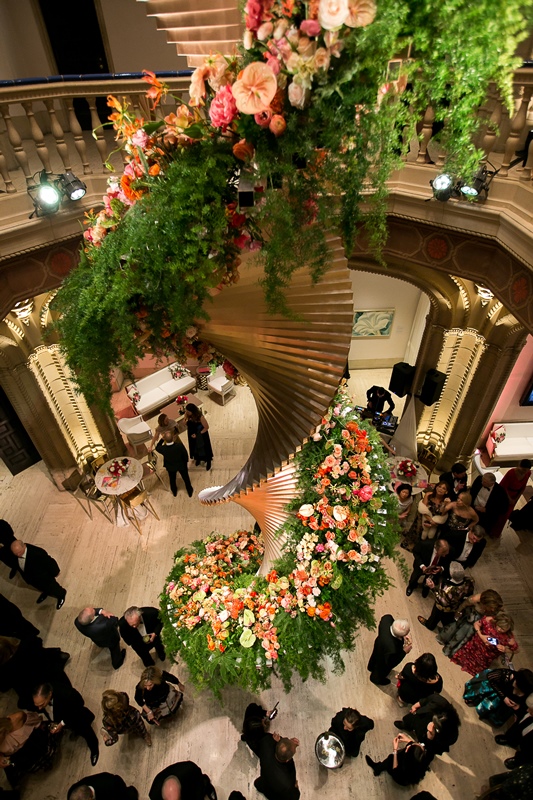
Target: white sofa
pixel 518 442
pixel 159 389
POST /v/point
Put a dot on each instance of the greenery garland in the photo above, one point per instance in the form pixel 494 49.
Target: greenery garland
pixel 312 109
pixel 230 626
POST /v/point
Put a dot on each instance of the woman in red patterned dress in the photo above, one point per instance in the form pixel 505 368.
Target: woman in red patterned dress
pixel 493 638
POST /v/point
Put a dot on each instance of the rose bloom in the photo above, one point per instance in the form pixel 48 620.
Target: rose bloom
pixel 365 493
pixel 330 536
pixel 353 555
pixel 277 125
pixel 255 89
pixel 340 513
pixel 353 535
pixel 361 13
pixel 307 510
pixel 337 450
pixel 190 332
pixel 345 434
pixel 332 13
pixel 310 27
pixel 322 59
pixel 316 437
pixel 365 548
pixel 243 150
pixel 223 108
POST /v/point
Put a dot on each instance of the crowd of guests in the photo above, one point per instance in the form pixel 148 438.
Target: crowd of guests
pixel 446 538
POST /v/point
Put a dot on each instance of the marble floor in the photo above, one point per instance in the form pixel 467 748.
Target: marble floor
pixel 115 567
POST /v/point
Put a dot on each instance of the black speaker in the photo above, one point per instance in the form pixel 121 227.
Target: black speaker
pixel 401 378
pixel 433 383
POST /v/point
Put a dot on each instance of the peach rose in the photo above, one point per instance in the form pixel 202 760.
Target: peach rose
pixel 264 31
pixel 298 95
pixel 322 61
pixel 332 13
pixel 243 150
pixel 360 13
pixel 277 125
pixel 255 89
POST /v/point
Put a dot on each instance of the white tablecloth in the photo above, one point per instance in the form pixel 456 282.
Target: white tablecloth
pixel 419 482
pixel 126 482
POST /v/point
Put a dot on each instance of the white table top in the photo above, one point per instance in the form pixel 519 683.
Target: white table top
pixel 419 482
pixel 124 484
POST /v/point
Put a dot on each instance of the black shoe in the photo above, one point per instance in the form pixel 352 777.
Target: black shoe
pixel 13 572
pixel 162 657
pixel 425 591
pixel 197 463
pixel 175 494
pixel 42 597
pixel 502 739
pixel 377 769
pixel 94 758
pixel 399 723
pixel 121 659
pixel 408 591
pixel 208 466
pixel 64 657
pixel 190 492
pixel 511 763
pixel 61 602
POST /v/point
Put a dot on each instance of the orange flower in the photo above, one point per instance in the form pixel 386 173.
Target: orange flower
pixel 210 643
pixel 243 150
pixel 157 89
pixel 155 169
pixel 113 102
pixel 311 611
pixel 129 191
pixel 276 106
pixel 256 89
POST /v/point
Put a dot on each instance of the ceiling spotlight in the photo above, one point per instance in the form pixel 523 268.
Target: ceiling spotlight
pixel 443 187
pixel 72 186
pixel 46 195
pixel 480 184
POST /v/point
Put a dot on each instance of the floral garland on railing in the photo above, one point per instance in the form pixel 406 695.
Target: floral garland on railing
pixel 232 627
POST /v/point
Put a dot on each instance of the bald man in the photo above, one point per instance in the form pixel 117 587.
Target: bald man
pixel 38 570
pixel 182 781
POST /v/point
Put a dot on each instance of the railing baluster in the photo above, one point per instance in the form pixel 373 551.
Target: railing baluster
pixel 5 174
pixel 492 126
pixel 16 142
pixel 525 174
pixel 58 134
pixel 425 136
pixel 79 141
pixel 518 123
pixel 100 141
pixel 37 136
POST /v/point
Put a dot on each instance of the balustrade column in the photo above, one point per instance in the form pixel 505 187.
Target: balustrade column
pixel 79 141
pixel 518 123
pixel 59 136
pixel 493 125
pixel 5 174
pixel 16 142
pixel 97 132
pixel 425 136
pixel 38 138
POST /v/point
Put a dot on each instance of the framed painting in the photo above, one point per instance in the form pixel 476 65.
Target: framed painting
pixel 372 323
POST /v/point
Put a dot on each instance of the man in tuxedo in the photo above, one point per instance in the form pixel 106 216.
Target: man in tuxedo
pixel 175 459
pixel 7 537
pixel 431 558
pixel 62 705
pixel 277 780
pixel 102 786
pixel 467 546
pixel 391 645
pixel 489 500
pixel 376 397
pixel 456 479
pixel 13 623
pixel 101 627
pixel 182 781
pixel 136 625
pixel 38 570
pixel 520 736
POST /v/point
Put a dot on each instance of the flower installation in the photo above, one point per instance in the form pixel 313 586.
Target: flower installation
pixel 231 626
pixel 498 434
pixel 118 467
pixel 407 468
pixel 314 112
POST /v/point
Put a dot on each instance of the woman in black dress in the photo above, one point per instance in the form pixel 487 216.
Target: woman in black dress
pixel 434 722
pixel 418 679
pixel 407 766
pixel 198 436
pixel 255 726
pixel 155 695
pixel 351 727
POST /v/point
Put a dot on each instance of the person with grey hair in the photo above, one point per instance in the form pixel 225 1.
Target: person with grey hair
pixel 391 646
pixel 101 627
pixel 140 628
pixel 467 546
pixel 489 500
pixel 277 780
pixel 449 593
pixel 102 786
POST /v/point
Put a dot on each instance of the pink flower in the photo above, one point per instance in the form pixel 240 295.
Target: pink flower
pixel 197 85
pixel 223 108
pixel 277 125
pixel 337 450
pixel 274 64
pixel 298 95
pixel 320 548
pixel 253 11
pixel 264 117
pixel 255 90
pixel 332 13
pixel 311 27
pixel 264 31
pixel 140 138
pixel 345 434
pixel 365 493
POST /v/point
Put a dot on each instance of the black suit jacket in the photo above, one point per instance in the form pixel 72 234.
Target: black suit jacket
pixel 419 721
pixel 497 504
pixel 106 786
pixel 103 631
pixel 6 538
pixel 68 706
pixel 422 553
pixel 457 542
pixel 40 568
pixel 13 623
pixel 175 456
pixel 278 781
pixel 448 478
pixel 388 649
pixel 131 636
pixel 190 776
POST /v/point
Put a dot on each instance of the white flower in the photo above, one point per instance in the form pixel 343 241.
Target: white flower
pixel 340 513
pixel 332 13
pixel 307 510
pixel 248 40
pixel 299 97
